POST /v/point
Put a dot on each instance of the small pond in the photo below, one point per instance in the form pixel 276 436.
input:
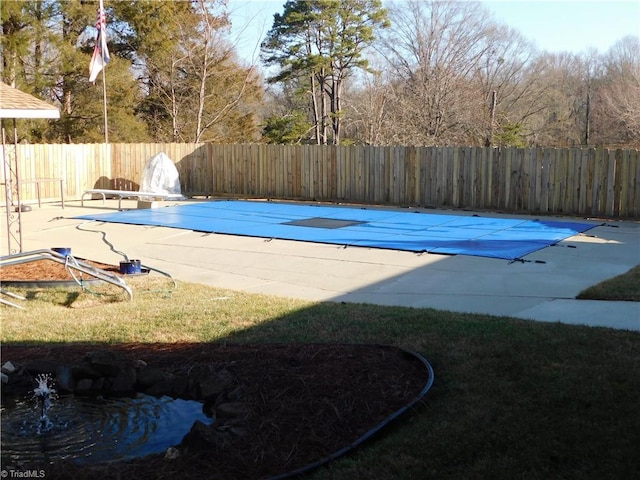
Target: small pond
pixel 90 430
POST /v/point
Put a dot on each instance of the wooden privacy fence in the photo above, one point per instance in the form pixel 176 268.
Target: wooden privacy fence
pixel 569 181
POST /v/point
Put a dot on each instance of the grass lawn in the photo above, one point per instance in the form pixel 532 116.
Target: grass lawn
pixel 623 287
pixel 511 398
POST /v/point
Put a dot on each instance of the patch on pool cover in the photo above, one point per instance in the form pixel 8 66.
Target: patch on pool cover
pixel 319 222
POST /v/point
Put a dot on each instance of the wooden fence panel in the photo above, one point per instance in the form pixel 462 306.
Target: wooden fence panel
pixel 432 176
pixel 366 175
pixel 306 176
pixel 314 181
pixel 505 160
pixel 342 176
pixel 593 171
pixel 627 184
pixel 588 181
pixel 599 182
pixel 617 183
pixel 440 177
pixel 635 160
pixel 455 175
pixel 27 159
pixel 531 179
pixel 312 175
pixel 376 175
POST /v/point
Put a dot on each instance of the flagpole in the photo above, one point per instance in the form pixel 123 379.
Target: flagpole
pixel 104 106
pixel 104 79
pixel 98 63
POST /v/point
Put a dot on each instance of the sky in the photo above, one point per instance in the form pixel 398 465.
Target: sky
pixel 553 25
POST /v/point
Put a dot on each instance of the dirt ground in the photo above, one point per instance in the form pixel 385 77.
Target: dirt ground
pixel 307 401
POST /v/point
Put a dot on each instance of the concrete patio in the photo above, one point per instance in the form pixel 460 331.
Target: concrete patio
pixel 542 287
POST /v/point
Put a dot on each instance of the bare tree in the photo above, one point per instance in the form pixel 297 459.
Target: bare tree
pixel 322 41
pixel 617 108
pixel 510 89
pixel 367 120
pixel 567 85
pixel 434 49
pixel 221 82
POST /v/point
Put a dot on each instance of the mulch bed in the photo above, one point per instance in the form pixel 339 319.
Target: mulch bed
pixel 308 401
pixel 47 271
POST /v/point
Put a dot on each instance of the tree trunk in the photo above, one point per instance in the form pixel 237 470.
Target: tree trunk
pixel 314 108
pixel 492 118
pixel 336 109
pixel 587 122
pixel 324 109
pixel 202 93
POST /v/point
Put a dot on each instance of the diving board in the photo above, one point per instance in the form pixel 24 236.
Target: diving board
pixel 506 238
pixel 120 194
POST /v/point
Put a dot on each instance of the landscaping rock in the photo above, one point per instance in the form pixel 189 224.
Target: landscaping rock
pixel 214 385
pixel 8 367
pixel 204 437
pixel 124 381
pixel 84 385
pixel 149 376
pixel 172 453
pixel 98 384
pixel 39 365
pixel 161 388
pixel 106 362
pixel 232 409
pixel 64 379
pixel 238 393
pixel 84 370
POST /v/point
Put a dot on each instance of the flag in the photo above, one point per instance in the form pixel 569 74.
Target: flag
pixel 100 56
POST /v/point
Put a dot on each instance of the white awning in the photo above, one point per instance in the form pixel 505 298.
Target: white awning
pixel 17 104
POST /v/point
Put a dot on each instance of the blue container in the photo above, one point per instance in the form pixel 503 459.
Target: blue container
pixel 131 267
pixel 66 251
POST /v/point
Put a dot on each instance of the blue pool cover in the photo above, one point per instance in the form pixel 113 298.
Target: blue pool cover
pixel 505 238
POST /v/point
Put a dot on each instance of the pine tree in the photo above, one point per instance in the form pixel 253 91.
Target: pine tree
pixel 322 41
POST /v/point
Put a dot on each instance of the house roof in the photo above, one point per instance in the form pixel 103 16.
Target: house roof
pixel 17 104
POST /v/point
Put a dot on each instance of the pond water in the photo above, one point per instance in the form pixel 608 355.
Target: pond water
pixel 95 430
